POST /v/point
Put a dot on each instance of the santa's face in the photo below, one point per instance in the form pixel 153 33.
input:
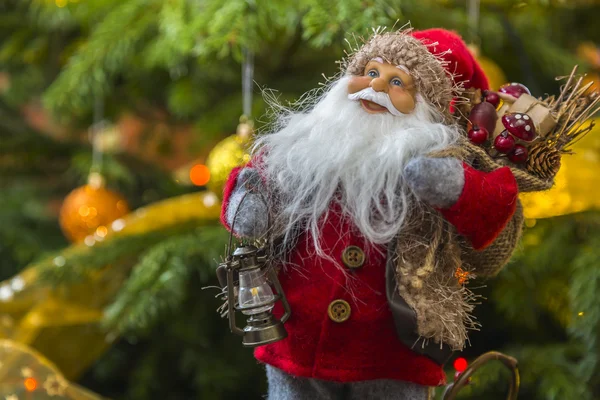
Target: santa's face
pixel 383 88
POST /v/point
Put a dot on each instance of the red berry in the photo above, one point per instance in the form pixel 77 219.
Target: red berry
pixel 519 154
pixel 484 115
pixel 514 89
pixel 504 143
pixel 492 98
pixel 477 135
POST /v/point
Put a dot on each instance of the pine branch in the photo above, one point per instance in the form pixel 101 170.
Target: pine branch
pixel 176 36
pixel 27 228
pixel 112 44
pixel 552 371
pixel 548 371
pixel 585 287
pixel 539 273
pixel 158 282
pixel 76 262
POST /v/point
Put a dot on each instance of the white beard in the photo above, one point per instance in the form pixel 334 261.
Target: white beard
pixel 337 150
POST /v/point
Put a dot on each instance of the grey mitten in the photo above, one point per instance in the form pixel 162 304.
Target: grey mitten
pixel 249 196
pixel 437 181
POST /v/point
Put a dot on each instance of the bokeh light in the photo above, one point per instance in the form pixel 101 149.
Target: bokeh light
pixel 199 175
pixel 460 364
pixel 30 384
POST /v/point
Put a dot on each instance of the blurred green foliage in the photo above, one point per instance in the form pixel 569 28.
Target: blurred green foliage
pixel 184 56
pixel 543 310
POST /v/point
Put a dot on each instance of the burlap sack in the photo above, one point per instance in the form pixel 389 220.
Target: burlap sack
pixel 430 251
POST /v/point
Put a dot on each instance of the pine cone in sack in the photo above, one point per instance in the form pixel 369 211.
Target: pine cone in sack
pixel 543 161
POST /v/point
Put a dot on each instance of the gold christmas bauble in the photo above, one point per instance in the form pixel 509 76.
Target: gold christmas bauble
pixel 576 185
pixel 231 152
pixel 88 210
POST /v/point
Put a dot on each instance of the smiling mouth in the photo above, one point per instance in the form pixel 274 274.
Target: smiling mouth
pixel 371 107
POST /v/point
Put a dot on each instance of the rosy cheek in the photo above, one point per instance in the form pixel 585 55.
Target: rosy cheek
pixel 402 100
pixel 358 83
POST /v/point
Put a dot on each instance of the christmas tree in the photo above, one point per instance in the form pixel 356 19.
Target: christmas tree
pixel 158 82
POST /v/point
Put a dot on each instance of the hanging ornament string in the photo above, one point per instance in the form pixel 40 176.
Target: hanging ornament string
pixel 234 151
pixel 473 12
pixel 494 73
pixel 247 82
pixel 97 156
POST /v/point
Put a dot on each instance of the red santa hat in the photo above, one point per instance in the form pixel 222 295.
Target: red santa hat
pixel 458 59
pixel 438 60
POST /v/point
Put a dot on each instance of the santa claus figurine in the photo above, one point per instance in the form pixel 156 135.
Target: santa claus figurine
pixel 382 218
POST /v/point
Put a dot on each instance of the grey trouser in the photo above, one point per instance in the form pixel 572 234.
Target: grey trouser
pixel 283 386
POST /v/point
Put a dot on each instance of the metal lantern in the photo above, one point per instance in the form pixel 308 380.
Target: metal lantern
pixel 247 275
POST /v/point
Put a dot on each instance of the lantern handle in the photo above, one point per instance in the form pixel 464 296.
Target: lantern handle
pixel 284 301
pixel 230 308
pixel 510 363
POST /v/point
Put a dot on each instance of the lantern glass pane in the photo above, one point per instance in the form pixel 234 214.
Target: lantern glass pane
pixel 255 292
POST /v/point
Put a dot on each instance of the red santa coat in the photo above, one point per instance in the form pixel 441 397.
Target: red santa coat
pixel 341 327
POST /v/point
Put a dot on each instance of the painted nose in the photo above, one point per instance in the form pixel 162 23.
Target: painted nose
pixel 379 85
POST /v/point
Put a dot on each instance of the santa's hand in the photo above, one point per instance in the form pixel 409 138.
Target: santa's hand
pixel 437 181
pixel 247 205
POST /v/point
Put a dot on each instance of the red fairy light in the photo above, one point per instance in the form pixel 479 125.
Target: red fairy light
pixel 460 364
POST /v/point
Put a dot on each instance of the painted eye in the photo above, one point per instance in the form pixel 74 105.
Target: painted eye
pixel 396 82
pixel 373 73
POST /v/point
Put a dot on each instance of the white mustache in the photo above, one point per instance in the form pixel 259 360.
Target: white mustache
pixel 379 98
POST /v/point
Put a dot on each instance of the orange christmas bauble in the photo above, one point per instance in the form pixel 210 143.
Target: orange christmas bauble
pixel 88 210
